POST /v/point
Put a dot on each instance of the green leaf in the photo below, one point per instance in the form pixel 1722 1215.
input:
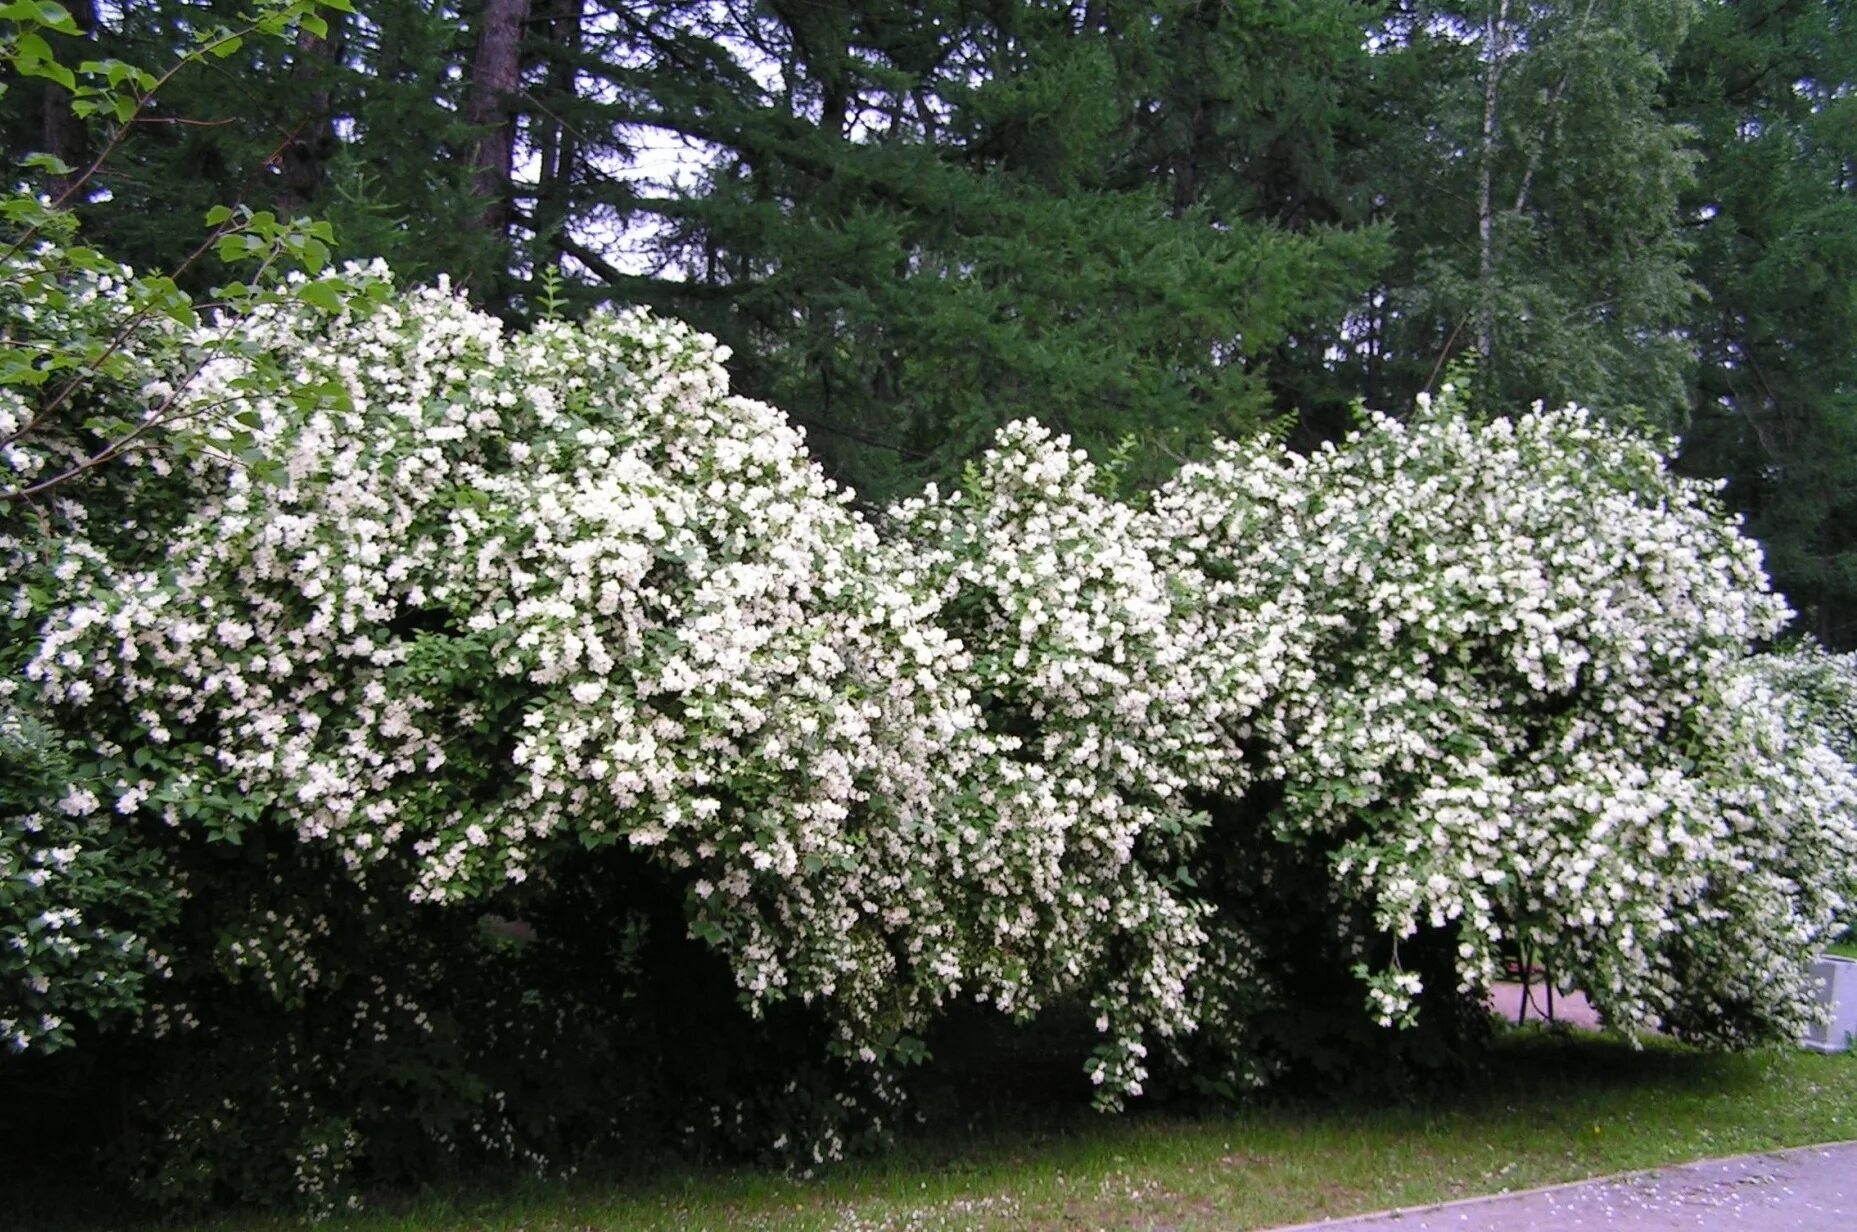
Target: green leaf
pixel 26 210
pixel 33 57
pixel 909 1050
pixel 51 164
pixel 218 214
pixel 321 295
pixel 239 246
pixel 53 17
pixel 312 252
pixel 118 73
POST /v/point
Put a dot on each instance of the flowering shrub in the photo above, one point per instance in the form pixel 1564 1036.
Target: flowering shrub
pixel 1821 687
pixel 504 594
pixel 399 620
pixel 1524 715
pixel 494 600
pixel 1819 690
pixel 1110 705
pixel 79 896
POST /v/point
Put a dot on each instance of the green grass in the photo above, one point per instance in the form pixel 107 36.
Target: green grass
pixel 1557 1109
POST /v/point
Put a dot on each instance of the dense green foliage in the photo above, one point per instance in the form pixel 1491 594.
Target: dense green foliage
pixel 1531 175
pixel 1144 224
pixel 1773 210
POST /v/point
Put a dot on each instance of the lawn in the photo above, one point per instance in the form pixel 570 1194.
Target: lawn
pixel 1556 1109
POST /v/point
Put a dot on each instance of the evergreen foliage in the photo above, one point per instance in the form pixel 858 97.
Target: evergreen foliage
pixel 1145 224
pixel 1767 88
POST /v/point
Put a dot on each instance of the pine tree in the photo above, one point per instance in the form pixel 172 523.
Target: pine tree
pixel 362 124
pixel 1768 89
pixel 912 222
pixel 923 222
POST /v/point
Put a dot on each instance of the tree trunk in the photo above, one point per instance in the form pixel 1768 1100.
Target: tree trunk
pixel 61 132
pixel 305 156
pixel 556 141
pixel 496 72
pixel 1495 28
pixel 1186 161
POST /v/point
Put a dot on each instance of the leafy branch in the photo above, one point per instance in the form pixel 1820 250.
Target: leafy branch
pixel 42 263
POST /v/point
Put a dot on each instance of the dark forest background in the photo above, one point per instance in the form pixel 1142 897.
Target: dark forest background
pixel 1145 222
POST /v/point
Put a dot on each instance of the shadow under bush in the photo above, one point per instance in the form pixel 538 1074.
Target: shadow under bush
pixel 574 1022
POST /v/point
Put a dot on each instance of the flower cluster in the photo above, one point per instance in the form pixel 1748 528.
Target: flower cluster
pixel 1820 687
pixel 1112 705
pixel 61 314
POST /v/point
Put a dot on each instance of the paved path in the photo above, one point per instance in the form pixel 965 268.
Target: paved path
pixel 1570 1008
pixel 1811 1189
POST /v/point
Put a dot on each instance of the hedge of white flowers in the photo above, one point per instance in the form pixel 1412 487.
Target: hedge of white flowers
pixel 455 604
pixel 499 594
pixel 1822 689
pixel 1523 709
